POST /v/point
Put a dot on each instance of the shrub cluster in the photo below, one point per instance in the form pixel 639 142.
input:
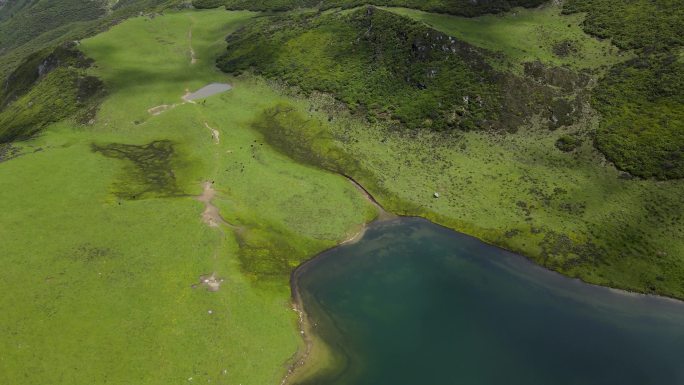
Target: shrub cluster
pixel 642 100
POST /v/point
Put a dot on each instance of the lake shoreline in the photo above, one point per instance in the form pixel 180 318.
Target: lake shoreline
pixel 301 359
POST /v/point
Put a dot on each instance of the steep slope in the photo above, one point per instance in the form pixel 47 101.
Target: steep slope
pixel 45 88
pixel 457 7
pixel 389 68
pixel 29 26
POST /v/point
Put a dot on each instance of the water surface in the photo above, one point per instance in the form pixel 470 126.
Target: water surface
pixel 415 303
pixel 208 90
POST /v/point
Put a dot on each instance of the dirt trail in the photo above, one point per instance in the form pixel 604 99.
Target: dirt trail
pixel 214 133
pixel 193 59
pixel 158 109
pixel 211 215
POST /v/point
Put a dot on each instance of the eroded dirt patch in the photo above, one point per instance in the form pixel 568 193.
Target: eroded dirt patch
pixel 210 281
pixel 158 109
pixel 193 58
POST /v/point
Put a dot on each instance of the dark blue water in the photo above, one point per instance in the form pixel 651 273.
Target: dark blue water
pixel 416 304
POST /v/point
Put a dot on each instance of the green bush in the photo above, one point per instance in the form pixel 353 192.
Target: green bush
pixel 568 143
pixel 633 24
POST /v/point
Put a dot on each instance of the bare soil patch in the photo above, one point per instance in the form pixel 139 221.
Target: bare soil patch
pixel 209 281
pixel 210 215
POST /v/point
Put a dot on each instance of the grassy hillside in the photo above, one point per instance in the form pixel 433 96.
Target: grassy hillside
pixel 389 68
pixel 457 7
pixel 27 27
pixel 373 61
pixel 24 20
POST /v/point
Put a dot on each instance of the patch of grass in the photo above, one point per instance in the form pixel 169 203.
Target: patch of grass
pixel 568 143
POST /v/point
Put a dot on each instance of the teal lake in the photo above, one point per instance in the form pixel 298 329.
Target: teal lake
pixel 413 303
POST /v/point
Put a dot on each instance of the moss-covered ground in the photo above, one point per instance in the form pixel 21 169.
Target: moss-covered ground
pixel 102 237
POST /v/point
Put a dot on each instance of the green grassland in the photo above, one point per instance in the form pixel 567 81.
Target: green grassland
pixel 46 88
pixel 29 26
pixel 102 238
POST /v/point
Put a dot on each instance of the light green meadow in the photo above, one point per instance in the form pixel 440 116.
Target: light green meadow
pixel 97 288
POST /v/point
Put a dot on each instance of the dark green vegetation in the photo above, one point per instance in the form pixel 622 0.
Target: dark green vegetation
pixel 149 172
pixel 642 100
pixel 305 140
pixel 47 87
pixel 642 108
pixel 568 143
pixel 111 298
pixel 457 7
pixel 633 24
pixel 389 68
pixel 414 303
